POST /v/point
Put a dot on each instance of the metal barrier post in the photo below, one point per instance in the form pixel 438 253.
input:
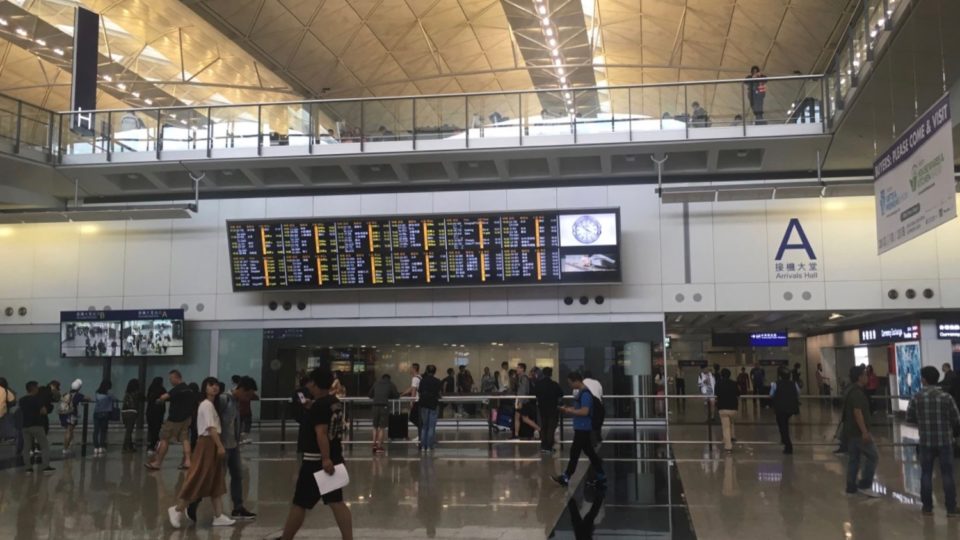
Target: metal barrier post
pixel 83 434
pixel 283 426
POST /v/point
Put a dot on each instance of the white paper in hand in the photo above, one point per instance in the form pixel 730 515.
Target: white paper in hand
pixel 332 482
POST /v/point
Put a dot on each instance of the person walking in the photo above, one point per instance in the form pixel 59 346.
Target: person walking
pixel 785 395
pixel 205 477
pixel 856 427
pixel 245 406
pixel 707 385
pixel 582 415
pixel 873 385
pixel 177 427
pixel 381 393
pixel 680 384
pixel 322 453
pixel 756 85
pixel 743 382
pixel 230 437
pixel 759 379
pixel 524 409
pixel 599 412
pixel 32 409
pixel 68 410
pixel 156 409
pixel 549 395
pixel 8 401
pixel 728 402
pixel 429 394
pixel 823 382
pixel 102 410
pixel 415 379
pixel 448 387
pixel 130 412
pixel 937 417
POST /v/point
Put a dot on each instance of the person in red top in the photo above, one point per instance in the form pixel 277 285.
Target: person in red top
pixel 873 384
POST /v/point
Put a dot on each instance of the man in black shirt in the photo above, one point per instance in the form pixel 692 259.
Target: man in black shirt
pixel 33 409
pixel 728 402
pixel 321 453
pixel 300 404
pixel 183 404
pixel 448 388
pixel 548 394
pixel 429 401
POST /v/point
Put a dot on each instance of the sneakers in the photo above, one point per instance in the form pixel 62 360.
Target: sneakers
pixel 869 493
pixel 222 521
pixel 176 517
pixel 242 514
pixel 561 479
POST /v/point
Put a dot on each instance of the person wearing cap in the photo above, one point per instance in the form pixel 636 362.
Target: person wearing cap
pixel 68 410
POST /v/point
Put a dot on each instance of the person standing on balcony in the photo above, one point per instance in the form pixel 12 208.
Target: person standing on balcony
pixel 756 92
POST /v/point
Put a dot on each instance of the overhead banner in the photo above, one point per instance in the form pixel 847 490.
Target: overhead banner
pixel 914 184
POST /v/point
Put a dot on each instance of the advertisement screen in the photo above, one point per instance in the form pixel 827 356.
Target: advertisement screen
pixel 145 332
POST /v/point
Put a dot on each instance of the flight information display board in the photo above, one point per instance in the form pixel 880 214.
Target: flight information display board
pixel 516 248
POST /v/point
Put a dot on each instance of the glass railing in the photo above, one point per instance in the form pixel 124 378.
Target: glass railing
pixel 869 32
pixel 646 113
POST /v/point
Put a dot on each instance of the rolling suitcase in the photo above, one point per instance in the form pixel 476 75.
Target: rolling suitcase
pixel 397 426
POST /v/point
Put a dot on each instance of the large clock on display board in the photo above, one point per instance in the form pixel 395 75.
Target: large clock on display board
pixel 587 229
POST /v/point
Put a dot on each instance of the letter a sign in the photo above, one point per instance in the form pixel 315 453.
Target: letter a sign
pixel 804 244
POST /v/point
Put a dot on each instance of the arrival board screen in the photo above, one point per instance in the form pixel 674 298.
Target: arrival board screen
pixel 523 248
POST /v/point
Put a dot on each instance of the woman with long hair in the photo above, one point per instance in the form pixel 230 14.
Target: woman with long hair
pixel 205 478
pixel 129 412
pixel 156 410
pixel 102 409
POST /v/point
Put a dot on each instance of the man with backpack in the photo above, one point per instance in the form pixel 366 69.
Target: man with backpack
pixel 582 429
pixel 67 410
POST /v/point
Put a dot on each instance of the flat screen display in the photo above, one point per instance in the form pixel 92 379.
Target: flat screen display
pixel 145 332
pixel 466 250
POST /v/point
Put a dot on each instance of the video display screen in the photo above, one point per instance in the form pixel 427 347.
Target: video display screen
pixel 768 339
pixel 475 250
pixel 148 332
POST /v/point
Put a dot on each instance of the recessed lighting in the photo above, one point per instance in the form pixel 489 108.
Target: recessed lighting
pixel 21 32
pixel 148 101
pixel 122 86
pixel 561 71
pixel 108 78
pixel 58 51
pixel 548 32
pixel 569 102
pixel 174 116
pixel 545 21
pixel 555 52
pixel 542 9
pixel 557 62
pixel 553 42
pixel 135 94
pixel 3 22
pixel 184 122
pixel 40 42
pixel 836 316
pixel 566 95
pixel 563 78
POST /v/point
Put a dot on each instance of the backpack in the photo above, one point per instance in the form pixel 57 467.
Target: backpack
pixel 66 405
pixel 786 399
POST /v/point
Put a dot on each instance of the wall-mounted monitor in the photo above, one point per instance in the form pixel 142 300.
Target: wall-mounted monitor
pixel 437 250
pixel 145 332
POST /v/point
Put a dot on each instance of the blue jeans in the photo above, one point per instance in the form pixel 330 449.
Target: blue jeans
pixel 428 429
pixel 100 422
pixel 856 448
pixel 927 455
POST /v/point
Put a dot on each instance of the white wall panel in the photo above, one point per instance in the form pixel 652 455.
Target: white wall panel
pixel 146 302
pixel 532 199
pixel 532 301
pixel 47 310
pixel 100 267
pixel 378 204
pixel 850 239
pixel 916 259
pixel 488 200
pixel 99 302
pixel 451 302
pixel 639 232
pixel 335 305
pixel 634 299
pixel 743 297
pixel 16 244
pixel 378 304
pixel 289 207
pixel 849 295
pixel 702 254
pixel 591 292
pixel 192 312
pixel 798 296
pixel 917 285
pixel 245 306
pixel 582 197
pixel 690 297
pixel 948 248
pixel 16 304
pixel 146 270
pixel 414 203
pixel 56 256
pixel 782 229
pixel 950 292
pixel 194 254
pixel 740 246
pixel 451 201
pixel 672 250
pixel 488 302
pixel 414 303
pixel 336 205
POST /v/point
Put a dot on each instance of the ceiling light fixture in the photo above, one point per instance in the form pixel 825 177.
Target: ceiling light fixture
pixel 555 52
pixel 557 62
pixel 3 22
pixel 21 32
pixel 122 86
pixel 545 21
pixel 58 51
pixel 569 102
pixel 553 42
pixel 135 94
pixel 148 101
pixel 542 9
pixel 836 316
pixel 108 78
pixel 548 32
pixel 563 78
pixel 560 70
pixel 40 42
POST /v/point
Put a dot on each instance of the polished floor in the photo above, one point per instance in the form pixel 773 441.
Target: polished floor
pixel 757 492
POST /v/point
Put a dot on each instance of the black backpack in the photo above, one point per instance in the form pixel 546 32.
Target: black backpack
pixel 786 399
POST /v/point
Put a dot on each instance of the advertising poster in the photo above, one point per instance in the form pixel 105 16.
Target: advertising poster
pixel 914 183
pixel 908 369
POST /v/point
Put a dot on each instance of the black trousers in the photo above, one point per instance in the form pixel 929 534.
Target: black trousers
pixel 582 443
pixel 548 426
pixel 783 422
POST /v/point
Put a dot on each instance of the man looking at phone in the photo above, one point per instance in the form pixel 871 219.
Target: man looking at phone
pixel 582 430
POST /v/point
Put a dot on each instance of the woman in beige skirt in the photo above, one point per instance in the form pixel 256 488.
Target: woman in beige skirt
pixel 205 478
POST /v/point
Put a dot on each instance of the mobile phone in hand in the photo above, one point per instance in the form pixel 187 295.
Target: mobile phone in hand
pixel 303 398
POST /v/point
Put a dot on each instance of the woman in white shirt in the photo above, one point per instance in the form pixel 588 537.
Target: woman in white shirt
pixel 205 478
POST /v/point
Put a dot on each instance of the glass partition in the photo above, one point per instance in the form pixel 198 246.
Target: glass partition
pixel 133 131
pixel 388 120
pixel 286 124
pixel 337 122
pixel 441 119
pixel 235 127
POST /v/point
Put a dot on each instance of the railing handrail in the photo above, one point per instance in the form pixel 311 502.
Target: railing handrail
pixel 447 96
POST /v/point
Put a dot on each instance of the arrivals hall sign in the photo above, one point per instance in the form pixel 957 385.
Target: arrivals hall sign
pixel 914 183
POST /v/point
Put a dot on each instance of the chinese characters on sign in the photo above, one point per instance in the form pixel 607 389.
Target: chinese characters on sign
pixel 796 259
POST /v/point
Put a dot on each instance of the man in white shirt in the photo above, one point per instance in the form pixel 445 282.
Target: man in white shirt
pixel 413 391
pixel 596 390
pixel 707 385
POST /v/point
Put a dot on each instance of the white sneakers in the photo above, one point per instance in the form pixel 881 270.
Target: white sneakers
pixel 176 519
pixel 223 521
pixel 869 493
